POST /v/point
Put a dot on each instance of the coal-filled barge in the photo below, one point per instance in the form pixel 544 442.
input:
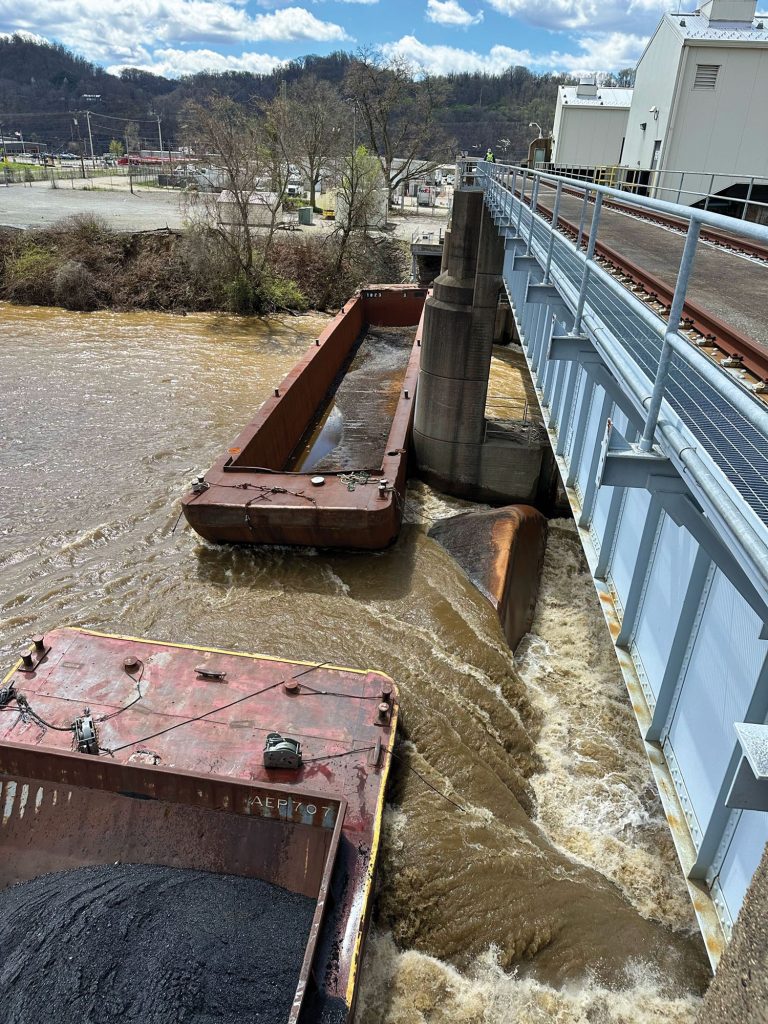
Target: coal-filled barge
pixel 118 750
pixel 324 461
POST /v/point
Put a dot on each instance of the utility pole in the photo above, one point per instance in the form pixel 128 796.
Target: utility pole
pixel 159 135
pixel 90 137
pixel 80 146
pixel 2 140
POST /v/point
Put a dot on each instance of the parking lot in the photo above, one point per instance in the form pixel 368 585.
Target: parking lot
pixel 39 205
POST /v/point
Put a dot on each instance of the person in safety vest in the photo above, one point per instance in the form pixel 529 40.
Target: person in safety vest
pixel 489 156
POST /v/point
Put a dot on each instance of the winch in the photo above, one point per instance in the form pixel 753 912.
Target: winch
pixel 281 752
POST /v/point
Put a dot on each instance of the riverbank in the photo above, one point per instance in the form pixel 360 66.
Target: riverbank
pixel 82 264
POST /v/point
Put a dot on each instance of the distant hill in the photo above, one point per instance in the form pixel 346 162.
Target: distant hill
pixel 43 86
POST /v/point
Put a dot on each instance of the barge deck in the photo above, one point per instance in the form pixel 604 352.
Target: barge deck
pixel 114 749
pixel 324 461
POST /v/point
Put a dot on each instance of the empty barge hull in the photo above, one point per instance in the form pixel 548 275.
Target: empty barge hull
pixel 179 779
pixel 262 491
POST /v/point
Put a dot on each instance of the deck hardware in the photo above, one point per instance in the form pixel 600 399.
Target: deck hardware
pixel 383 488
pixel 406 393
pixel 210 673
pixel 130 663
pixel 28 662
pixel 85 733
pixel 282 752
pixel 291 686
pixel 386 693
pixel 39 642
pixel 317 481
pixel 383 713
pixel 277 392
pixel 374 755
pixel 199 484
pixel 7 694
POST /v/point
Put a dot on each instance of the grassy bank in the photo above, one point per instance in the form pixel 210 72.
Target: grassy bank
pixel 81 264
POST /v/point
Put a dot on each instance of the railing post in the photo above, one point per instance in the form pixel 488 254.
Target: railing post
pixel 680 186
pixel 589 255
pixel 534 203
pixel 555 218
pixel 749 196
pixel 583 217
pixel 673 324
pixel 709 192
pixel 522 201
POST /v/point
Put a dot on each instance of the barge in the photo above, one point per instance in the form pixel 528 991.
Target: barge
pixel 324 461
pixel 119 750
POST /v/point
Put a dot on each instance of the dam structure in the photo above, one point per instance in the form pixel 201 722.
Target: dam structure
pixel 663 453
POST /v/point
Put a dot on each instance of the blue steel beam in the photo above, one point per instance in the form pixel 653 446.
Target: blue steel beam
pixel 612 353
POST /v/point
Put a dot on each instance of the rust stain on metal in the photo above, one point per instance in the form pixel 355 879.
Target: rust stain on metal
pixel 200 796
pixel 253 498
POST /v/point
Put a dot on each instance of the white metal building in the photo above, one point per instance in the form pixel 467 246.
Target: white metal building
pixel 699 102
pixel 590 125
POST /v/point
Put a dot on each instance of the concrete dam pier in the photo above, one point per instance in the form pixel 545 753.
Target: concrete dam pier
pixel 459 450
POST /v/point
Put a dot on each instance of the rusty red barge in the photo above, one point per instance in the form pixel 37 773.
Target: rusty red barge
pixel 118 749
pixel 324 461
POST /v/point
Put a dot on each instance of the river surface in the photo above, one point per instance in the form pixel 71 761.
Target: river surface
pixel 551 893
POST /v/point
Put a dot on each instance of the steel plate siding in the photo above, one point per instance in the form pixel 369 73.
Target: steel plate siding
pixel 604 494
pixel 719 682
pixel 581 389
pixel 742 858
pixel 628 535
pixel 595 428
pixel 667 583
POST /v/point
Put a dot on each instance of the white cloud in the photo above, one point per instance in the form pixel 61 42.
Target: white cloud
pixel 443 60
pixel 596 15
pixel 173 63
pixel 116 31
pixel 450 12
pixel 599 52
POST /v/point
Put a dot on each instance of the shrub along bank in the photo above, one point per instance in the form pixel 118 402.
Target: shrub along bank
pixel 81 264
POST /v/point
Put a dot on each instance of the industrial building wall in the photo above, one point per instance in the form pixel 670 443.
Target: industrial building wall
pixel 654 87
pixel 588 136
pixel 724 129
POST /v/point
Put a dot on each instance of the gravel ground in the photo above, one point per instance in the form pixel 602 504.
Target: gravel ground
pixel 150 944
pixel 38 205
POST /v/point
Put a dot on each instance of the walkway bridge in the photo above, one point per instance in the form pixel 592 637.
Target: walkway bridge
pixel 664 455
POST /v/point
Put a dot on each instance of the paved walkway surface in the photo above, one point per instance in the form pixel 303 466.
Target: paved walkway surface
pixel 730 287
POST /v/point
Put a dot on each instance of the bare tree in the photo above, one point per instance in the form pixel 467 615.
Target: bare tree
pixel 398 116
pixel 312 122
pixel 359 199
pixel 250 171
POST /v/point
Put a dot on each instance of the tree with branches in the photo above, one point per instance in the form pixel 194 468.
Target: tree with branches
pixel 398 116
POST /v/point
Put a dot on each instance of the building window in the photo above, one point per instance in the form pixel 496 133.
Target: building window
pixel 706 76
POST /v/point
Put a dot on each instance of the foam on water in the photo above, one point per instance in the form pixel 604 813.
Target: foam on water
pixel 413 988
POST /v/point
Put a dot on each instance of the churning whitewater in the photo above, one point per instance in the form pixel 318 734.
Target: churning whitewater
pixel 546 888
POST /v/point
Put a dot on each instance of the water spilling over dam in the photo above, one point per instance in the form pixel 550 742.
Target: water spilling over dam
pixel 556 863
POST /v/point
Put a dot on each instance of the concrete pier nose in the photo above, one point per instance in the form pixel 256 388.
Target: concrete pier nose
pixel 450 439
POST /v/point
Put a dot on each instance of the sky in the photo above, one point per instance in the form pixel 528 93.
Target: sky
pixel 179 37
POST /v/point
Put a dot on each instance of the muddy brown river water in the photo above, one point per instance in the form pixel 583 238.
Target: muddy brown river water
pixel 552 893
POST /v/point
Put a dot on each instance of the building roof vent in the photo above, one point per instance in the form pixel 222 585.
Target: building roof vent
pixel 587 86
pixel 741 11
